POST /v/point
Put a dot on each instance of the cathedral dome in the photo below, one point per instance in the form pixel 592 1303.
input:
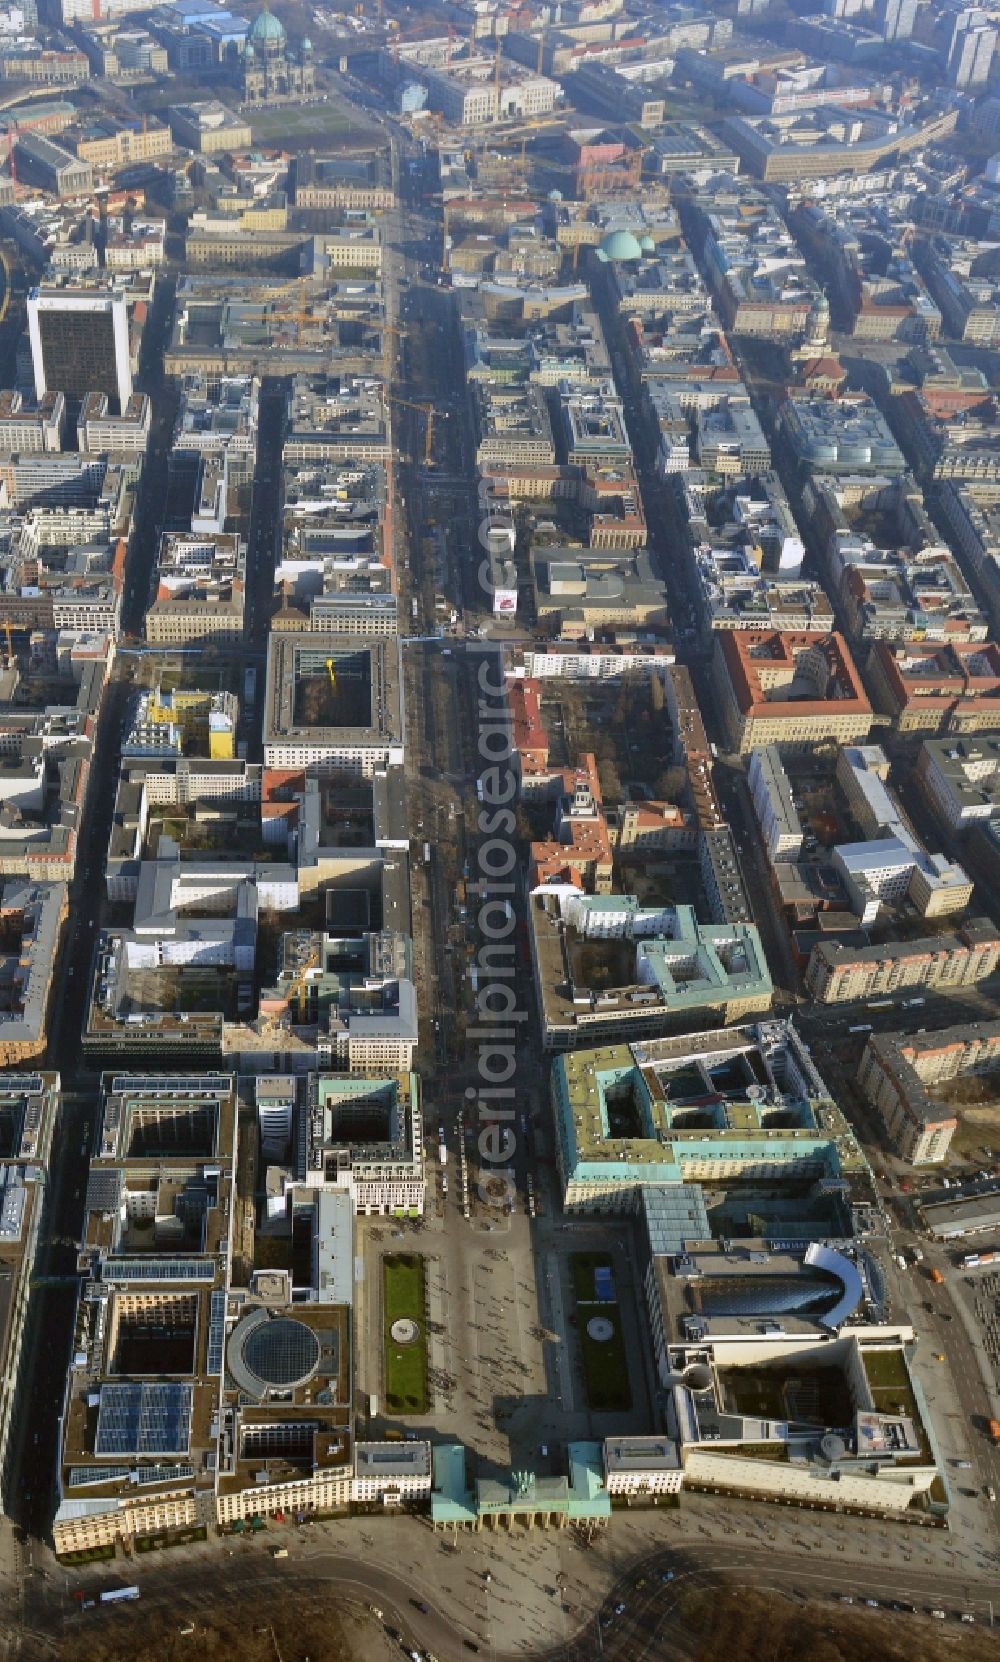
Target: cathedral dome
pixel 266 30
pixel 620 245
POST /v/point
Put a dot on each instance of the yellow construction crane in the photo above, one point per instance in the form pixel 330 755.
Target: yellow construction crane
pixel 331 670
pixel 297 996
pixel 429 411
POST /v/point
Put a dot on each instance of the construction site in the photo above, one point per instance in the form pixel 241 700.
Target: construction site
pixel 336 695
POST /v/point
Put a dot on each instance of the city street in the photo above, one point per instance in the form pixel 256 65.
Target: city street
pixel 549 1589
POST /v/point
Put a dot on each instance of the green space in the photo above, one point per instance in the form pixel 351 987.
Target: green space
pixel 757 1451
pixel 170 1538
pixel 583 1265
pixel 90 1555
pixel 605 1365
pixel 886 1370
pixel 175 676
pixel 806 1395
pixel 892 1393
pixel 299 126
pixel 403 1297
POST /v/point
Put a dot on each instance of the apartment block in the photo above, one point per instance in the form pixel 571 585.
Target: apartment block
pixel 839 974
pixel 898 1074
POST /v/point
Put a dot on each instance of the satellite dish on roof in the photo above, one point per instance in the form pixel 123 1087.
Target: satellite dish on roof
pixel 698 1376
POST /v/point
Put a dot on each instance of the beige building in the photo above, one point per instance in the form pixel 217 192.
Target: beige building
pixel 359 250
pixel 359 180
pixel 825 702
pixel 200 589
pixel 106 146
pixel 209 127
pixel 839 974
pixel 895 1074
pixel 138 1454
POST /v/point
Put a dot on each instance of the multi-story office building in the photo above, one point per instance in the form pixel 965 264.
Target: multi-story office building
pixel 352 991
pixel 28 1104
pixel 824 700
pixel 335 700
pixel 138 1425
pixel 98 431
pixel 839 436
pixel 961 778
pixel 337 418
pixel 80 343
pixel 209 127
pixel 938 689
pixel 865 1455
pixel 200 591
pixel 514 426
pixel 890 862
pixel 32 427
pixel 626 1118
pixel 362 1136
pixel 772 800
pixel 606 966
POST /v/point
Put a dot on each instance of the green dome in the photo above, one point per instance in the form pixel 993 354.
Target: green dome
pixel 621 245
pixel 265 28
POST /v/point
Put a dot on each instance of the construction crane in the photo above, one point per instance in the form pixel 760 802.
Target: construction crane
pixel 297 995
pixel 430 411
pixel 331 670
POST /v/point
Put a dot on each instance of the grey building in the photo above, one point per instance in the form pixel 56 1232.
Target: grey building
pixel 51 168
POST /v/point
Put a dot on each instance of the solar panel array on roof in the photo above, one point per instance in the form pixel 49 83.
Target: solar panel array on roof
pixel 216 1332
pixel 144 1419
pixel 181 1473
pixel 80 1476
pixel 104 1189
pixel 158 1269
